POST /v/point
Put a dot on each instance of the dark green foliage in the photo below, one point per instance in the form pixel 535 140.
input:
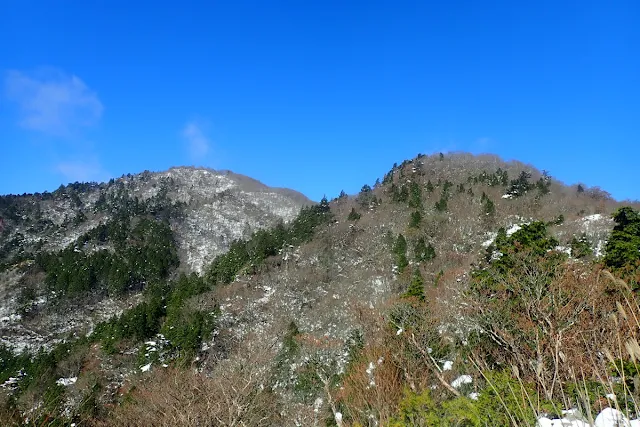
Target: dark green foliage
pixel 580 247
pixel 623 247
pixel 265 243
pixel 416 287
pixel 531 237
pixel 400 251
pixel 543 184
pixel 186 329
pixel 225 267
pixel 144 252
pixel 353 215
pixel 422 251
pixel 520 186
pixel 430 187
pixel 580 189
pixel 488 207
pixel 441 156
pixel 416 219
pixel 366 197
pixel 441 205
pixel 498 178
pixel 399 195
pixel 415 196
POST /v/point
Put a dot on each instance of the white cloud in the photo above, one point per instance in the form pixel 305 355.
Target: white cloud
pixel 82 171
pixel 198 144
pixel 53 102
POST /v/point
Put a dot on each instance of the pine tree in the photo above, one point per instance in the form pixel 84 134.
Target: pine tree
pixel 400 251
pixel 623 247
pixel 415 196
pixel 430 187
pixel 422 252
pixel 353 215
pixel 489 207
pixel 416 287
pixel 416 219
pixel 441 205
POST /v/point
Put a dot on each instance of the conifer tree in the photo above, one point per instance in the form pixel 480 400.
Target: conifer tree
pixel 353 215
pixel 430 187
pixel 416 287
pixel 416 219
pixel 400 251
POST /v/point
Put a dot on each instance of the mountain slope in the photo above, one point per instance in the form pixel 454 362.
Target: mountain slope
pixel 204 209
pixel 318 319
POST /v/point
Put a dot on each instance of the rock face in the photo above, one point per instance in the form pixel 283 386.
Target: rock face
pixel 210 210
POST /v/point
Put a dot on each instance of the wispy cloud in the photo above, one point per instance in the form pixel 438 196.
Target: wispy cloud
pixel 82 170
pixel 198 144
pixel 52 102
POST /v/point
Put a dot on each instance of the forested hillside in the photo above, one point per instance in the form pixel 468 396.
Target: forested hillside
pixel 455 290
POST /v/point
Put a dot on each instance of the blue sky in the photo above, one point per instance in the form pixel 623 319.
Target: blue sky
pixel 316 96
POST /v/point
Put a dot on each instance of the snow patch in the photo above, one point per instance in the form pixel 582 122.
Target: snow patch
pixel 66 381
pixel 461 380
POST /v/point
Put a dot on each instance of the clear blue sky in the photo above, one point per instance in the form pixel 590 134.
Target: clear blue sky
pixel 316 96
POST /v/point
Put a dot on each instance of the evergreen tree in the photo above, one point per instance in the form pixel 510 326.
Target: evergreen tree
pixel 353 215
pixel 489 208
pixel 422 252
pixel 415 196
pixel 400 251
pixel 580 247
pixel 416 219
pixel 623 247
pixel 441 205
pixel 416 287
pixel 430 187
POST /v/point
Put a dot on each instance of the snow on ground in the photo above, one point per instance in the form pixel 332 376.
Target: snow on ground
pixel 66 381
pixel 609 417
pixel 461 380
pixel 491 238
pixel 514 228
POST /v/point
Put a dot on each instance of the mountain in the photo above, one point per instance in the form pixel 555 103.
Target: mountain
pixel 205 210
pixel 451 280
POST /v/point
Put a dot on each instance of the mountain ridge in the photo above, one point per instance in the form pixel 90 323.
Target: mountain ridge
pixel 323 301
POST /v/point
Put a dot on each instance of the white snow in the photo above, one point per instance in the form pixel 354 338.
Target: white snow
pixel 461 380
pixel 609 417
pixel 145 368
pixel 370 369
pixel 591 218
pixel 491 237
pixel 10 382
pixel 447 365
pixel 66 381
pixel 514 228
pixel 507 196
